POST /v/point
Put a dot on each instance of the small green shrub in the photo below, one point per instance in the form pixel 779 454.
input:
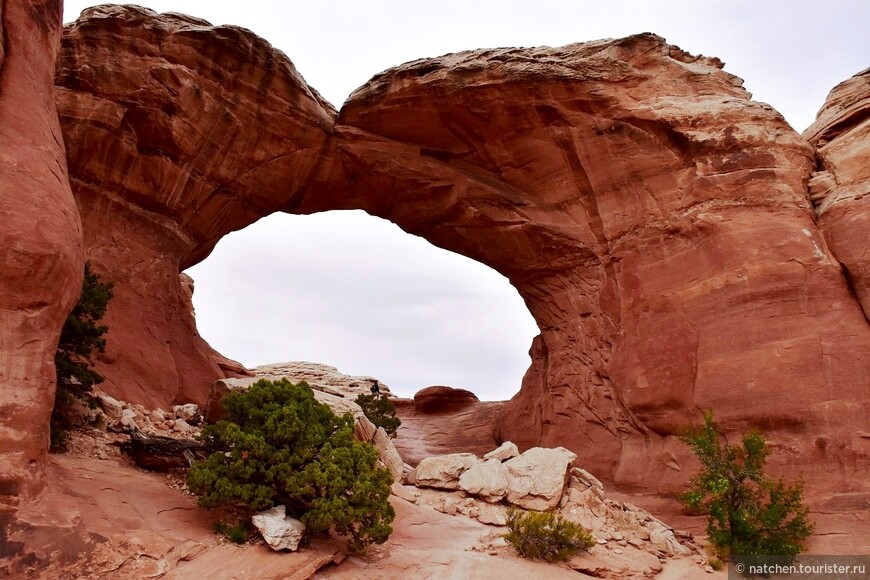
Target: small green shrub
pixel 278 445
pixel 79 338
pixel 750 513
pixel 237 534
pixel 545 536
pixel 381 411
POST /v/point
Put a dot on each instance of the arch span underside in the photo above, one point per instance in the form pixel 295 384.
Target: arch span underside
pixel 654 219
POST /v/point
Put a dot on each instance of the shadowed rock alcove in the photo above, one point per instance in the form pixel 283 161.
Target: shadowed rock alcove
pixel 654 219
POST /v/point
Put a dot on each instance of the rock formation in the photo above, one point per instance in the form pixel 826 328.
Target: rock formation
pixel 177 134
pixel 840 186
pixel 657 224
pixel 41 240
pixel 655 219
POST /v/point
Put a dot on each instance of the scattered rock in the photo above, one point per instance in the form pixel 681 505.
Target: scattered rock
pixel 505 451
pixel 444 471
pixel 188 412
pixel 111 406
pixel 536 479
pixel 128 419
pixel 280 531
pixel 487 480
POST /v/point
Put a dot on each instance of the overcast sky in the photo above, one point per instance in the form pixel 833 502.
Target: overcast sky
pixel 354 291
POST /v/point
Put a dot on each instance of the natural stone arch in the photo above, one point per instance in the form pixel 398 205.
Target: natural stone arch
pixel 644 207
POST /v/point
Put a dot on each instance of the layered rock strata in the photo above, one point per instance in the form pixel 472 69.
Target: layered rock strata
pixel 840 187
pixel 654 218
pixel 177 133
pixel 41 239
pixel 656 222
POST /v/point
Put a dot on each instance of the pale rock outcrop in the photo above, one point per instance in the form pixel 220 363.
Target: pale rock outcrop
pixel 322 377
pixel 614 522
pixel 388 454
pixel 444 471
pixel 333 388
pixel 280 531
pixel 111 406
pixel 503 452
pixel 536 478
pixel 584 478
pixel 486 480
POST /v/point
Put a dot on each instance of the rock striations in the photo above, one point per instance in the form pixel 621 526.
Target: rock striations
pixel 841 184
pixel 654 218
pixel 40 247
pixel 657 222
pixel 177 133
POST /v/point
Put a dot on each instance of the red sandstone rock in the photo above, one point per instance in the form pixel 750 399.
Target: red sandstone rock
pixel 41 240
pixel 178 133
pixel 655 220
pixel 470 428
pixel 657 224
pixel 434 400
pixel 840 187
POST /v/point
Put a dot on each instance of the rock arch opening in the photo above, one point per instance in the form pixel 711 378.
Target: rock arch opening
pixel 354 291
pixel 644 207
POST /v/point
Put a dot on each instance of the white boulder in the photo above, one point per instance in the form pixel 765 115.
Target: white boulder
pixel 444 471
pixel 280 531
pixel 487 480
pixel 536 479
pixel 503 452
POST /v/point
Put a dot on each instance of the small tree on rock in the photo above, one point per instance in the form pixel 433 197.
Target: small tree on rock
pixel 750 513
pixel 278 445
pixel 79 338
pixel 380 411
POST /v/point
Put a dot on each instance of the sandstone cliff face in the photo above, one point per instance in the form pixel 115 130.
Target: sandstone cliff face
pixel 177 133
pixel 655 220
pixel 841 184
pixel 41 241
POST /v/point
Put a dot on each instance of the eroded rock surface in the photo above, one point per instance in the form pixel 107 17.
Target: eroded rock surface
pixel 841 184
pixel 657 224
pixel 177 134
pixel 41 261
pixel 654 218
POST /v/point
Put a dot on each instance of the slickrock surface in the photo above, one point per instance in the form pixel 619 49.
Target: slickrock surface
pixel 177 134
pixel 450 422
pixel 40 248
pixel 841 185
pixel 111 521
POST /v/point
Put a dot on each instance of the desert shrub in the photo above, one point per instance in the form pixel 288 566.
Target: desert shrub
pixel 381 411
pixel 79 338
pixel 236 533
pixel 750 513
pixel 546 536
pixel 278 445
